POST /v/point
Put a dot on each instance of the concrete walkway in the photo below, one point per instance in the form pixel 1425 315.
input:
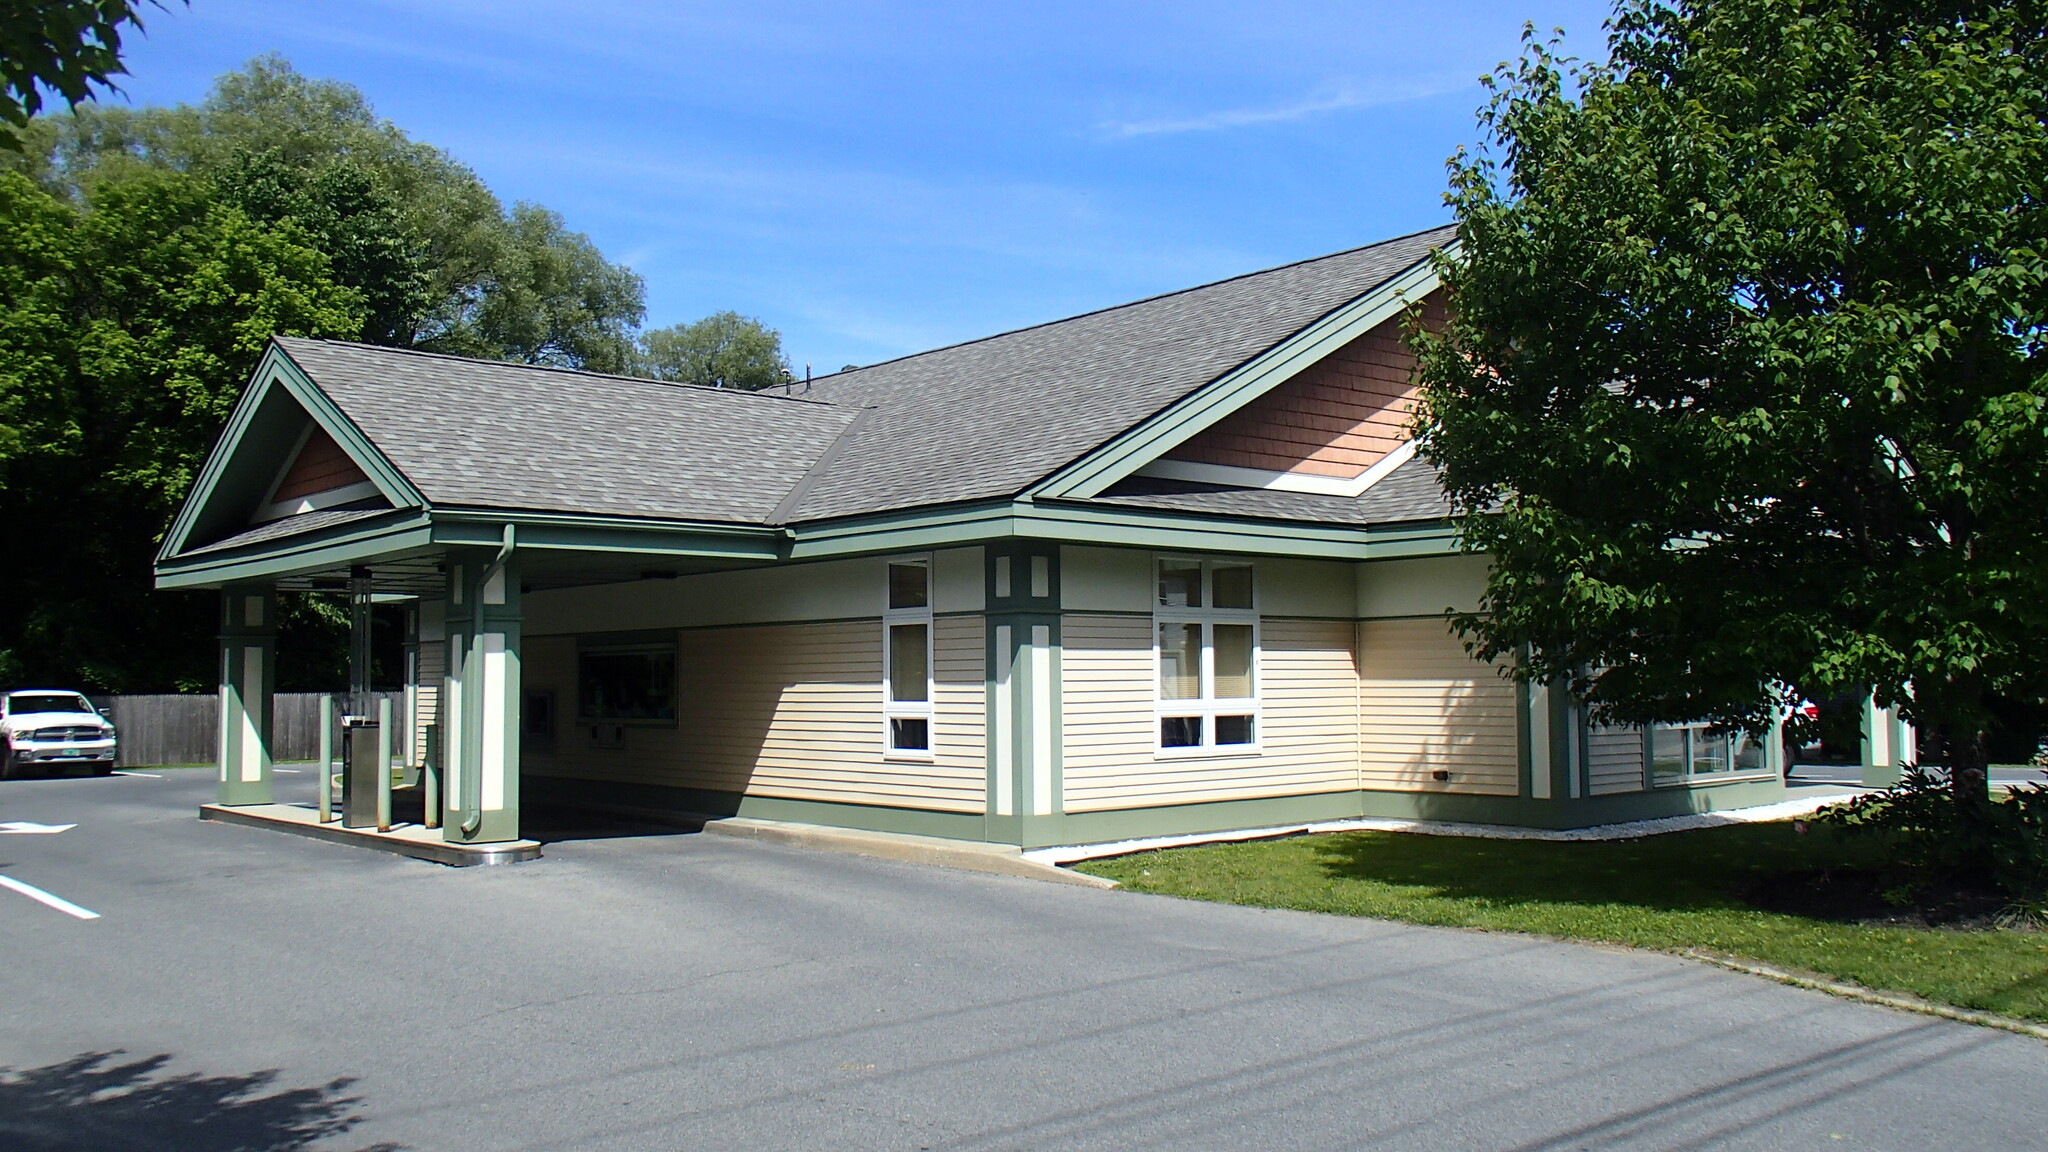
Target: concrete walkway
pixel 246 990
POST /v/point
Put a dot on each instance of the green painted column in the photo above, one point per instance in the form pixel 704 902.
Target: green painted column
pixel 1025 719
pixel 248 659
pixel 1886 745
pixel 481 701
pixel 1554 742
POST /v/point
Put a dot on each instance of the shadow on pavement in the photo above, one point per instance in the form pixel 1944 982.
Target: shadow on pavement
pixel 96 1101
pixel 551 824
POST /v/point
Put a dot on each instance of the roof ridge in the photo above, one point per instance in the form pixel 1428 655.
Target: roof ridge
pixel 1120 307
pixel 764 393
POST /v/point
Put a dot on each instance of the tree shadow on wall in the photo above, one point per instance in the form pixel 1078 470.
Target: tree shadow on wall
pixel 94 1102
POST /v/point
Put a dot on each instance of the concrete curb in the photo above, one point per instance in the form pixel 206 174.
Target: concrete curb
pixel 999 859
pixel 1898 1000
pixel 406 840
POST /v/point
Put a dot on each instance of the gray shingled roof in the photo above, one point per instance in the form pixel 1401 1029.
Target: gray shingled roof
pixel 293 525
pixel 1409 492
pixel 991 417
pixel 473 433
pixel 979 420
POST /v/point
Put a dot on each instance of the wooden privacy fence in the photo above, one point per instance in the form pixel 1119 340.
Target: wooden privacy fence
pixel 159 730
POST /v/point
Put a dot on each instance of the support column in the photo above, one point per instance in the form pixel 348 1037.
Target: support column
pixel 1555 736
pixel 480 707
pixel 1025 718
pixel 1887 745
pixel 248 658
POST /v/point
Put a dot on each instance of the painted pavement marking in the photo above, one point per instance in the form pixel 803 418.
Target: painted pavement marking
pixel 41 897
pixel 123 772
pixel 26 828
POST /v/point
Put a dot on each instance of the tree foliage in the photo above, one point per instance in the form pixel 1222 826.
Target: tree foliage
pixel 442 264
pixel 723 350
pixel 127 326
pixel 68 47
pixel 1744 383
pixel 148 255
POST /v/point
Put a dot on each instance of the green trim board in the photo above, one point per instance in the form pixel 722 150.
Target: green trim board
pixel 1076 523
pixel 560 532
pixel 1139 446
pixel 316 551
pixel 1166 820
pixel 411 533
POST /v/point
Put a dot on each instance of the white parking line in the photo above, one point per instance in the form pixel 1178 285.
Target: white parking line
pixel 293 771
pixel 41 897
pixel 124 772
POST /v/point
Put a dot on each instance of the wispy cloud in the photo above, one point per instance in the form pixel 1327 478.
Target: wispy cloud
pixel 1322 105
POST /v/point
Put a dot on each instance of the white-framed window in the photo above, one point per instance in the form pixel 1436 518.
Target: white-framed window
pixel 1694 754
pixel 1205 648
pixel 907 659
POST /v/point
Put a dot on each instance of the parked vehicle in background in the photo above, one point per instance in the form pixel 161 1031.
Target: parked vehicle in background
pixel 49 729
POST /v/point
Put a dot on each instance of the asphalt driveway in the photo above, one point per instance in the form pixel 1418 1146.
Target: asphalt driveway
pixel 242 989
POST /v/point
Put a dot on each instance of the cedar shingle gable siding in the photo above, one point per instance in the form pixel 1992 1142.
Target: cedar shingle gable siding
pixel 1336 419
pixel 321 467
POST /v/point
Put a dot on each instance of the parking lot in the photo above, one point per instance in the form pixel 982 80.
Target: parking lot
pixel 236 988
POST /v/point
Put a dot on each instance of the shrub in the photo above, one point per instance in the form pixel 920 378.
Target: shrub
pixel 2004 843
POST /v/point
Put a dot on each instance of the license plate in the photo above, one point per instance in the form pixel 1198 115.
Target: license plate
pixel 72 752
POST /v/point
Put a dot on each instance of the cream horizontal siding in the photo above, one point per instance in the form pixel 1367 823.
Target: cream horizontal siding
pixel 1425 706
pixel 1614 761
pixel 432 667
pixel 1308 726
pixel 960 702
pixel 789 711
pixel 1106 748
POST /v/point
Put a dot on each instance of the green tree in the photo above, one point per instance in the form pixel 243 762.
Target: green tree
pixel 67 47
pixel 555 299
pixel 723 350
pixel 441 263
pixel 1744 385
pixel 128 324
pixel 147 255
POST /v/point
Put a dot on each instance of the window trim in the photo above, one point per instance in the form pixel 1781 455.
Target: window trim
pixel 1206 705
pixel 1655 734
pixel 893 710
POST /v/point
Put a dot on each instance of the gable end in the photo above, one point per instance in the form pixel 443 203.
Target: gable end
pixel 321 474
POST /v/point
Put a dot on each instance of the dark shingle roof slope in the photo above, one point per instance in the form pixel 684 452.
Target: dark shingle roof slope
pixel 1409 492
pixel 476 433
pixel 292 526
pixel 991 417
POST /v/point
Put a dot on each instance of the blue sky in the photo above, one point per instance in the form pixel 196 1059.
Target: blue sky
pixel 882 178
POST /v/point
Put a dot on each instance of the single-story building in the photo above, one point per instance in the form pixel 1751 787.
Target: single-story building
pixel 1169 567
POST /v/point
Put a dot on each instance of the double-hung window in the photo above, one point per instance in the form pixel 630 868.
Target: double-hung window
pixel 1205 638
pixel 907 660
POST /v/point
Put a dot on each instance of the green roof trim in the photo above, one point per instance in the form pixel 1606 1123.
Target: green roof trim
pixel 1130 527
pixel 400 534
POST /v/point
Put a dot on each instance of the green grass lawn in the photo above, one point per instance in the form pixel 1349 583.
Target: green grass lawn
pixel 1673 892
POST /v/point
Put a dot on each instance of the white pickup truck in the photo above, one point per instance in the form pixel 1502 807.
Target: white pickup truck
pixel 48 729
